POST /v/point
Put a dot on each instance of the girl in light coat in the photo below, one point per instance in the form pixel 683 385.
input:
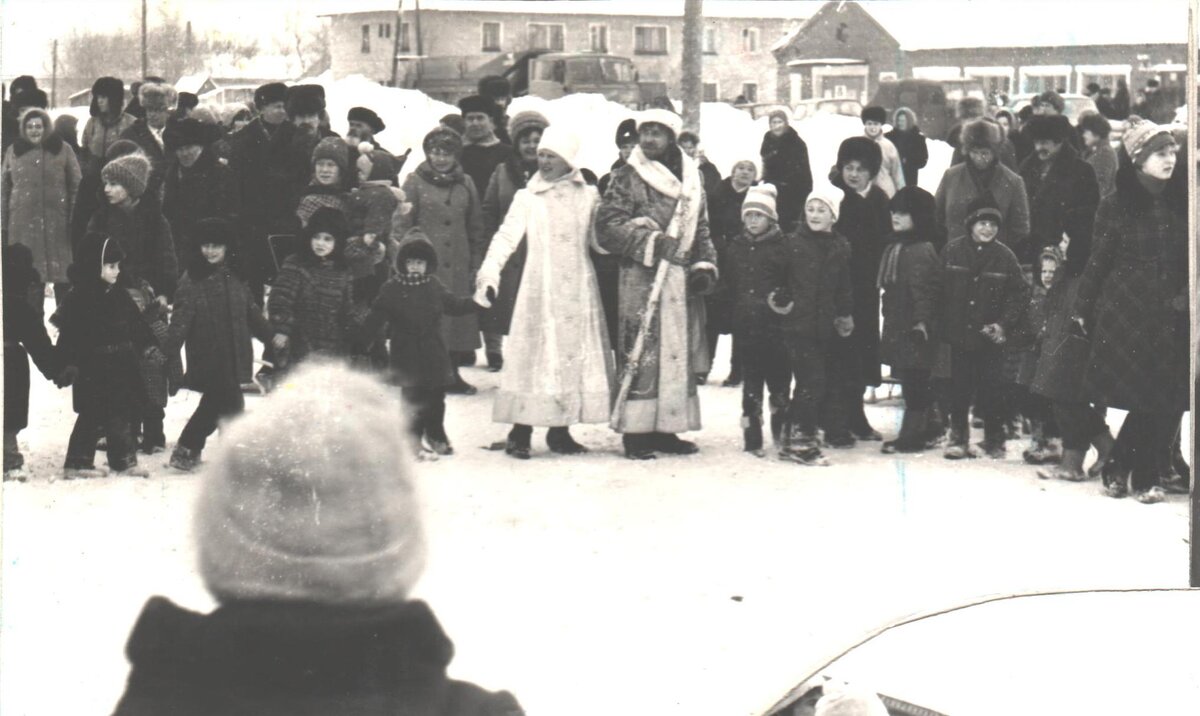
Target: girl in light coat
pixel 560 370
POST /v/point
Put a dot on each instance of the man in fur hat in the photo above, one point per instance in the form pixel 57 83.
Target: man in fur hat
pixel 1063 193
pixel 482 149
pixel 106 123
pixel 654 211
pixel 982 173
pixel 157 100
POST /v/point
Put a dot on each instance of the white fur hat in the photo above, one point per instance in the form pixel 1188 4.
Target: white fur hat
pixel 829 195
pixel 562 141
pixel 665 117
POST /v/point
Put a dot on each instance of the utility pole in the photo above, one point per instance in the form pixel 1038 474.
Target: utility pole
pixel 145 70
pixel 420 45
pixel 396 44
pixel 693 68
pixel 54 76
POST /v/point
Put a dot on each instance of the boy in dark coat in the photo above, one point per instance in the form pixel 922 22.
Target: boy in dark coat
pixel 816 301
pixel 101 337
pixel 198 183
pixel 754 263
pixel 412 304
pixel 24 335
pixel 982 300
pixel 909 276
pixel 311 548
pixel 215 315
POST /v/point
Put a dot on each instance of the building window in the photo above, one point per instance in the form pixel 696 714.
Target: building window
pixel 490 33
pixel 710 41
pixel 650 39
pixel 385 31
pixel 750 39
pixel 1042 78
pixel 402 45
pixel 543 36
pixel 598 38
pixel 710 91
pixel 750 91
pixel 366 39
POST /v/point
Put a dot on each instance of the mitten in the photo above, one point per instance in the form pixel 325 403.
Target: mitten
pixel 702 282
pixel 780 301
pixel 844 325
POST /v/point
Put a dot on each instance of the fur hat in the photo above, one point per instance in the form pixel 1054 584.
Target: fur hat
pixel 121 147
pixel 980 208
pixel 213 230
pixel 1143 137
pixel 131 171
pixel 525 121
pixel 367 117
pixel 562 141
pixel 920 205
pixel 1096 123
pixel 415 245
pixel 829 195
pixel 304 100
pixel 971 108
pixel 113 89
pixel 627 132
pixel 443 138
pixel 187 132
pixel 863 150
pixel 455 122
pixel 188 101
pixel 981 134
pixel 665 117
pixel 282 516
pixel 270 93
pixel 495 87
pixel 24 83
pixel 379 163
pixel 154 96
pixel 30 98
pixel 325 220
pixel 1051 98
pixel 1051 127
pixel 912 117
pixel 874 113
pixel 761 198
pixel 478 103
pixel 333 149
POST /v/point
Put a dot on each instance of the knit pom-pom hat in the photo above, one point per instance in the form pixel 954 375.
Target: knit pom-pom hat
pixel 761 198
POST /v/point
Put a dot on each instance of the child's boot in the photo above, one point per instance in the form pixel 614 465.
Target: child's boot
pixel 184 459
pixel 559 441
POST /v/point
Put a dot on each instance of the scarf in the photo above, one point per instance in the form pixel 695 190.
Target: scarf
pixel 412 279
pixel 889 264
pixel 442 179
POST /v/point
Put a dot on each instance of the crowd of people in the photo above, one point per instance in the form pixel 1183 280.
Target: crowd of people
pixel 1044 281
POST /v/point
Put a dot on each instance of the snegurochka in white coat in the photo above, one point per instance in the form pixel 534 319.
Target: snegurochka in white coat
pixel 559 368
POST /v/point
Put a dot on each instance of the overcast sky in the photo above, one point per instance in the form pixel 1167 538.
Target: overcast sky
pixel 29 26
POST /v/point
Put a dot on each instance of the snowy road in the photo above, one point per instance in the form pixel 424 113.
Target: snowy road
pixel 594 585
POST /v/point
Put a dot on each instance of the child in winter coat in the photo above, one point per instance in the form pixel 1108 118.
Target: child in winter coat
pixel 412 304
pixel 214 317
pixel 1045 447
pixel 160 379
pixel 311 549
pixel 816 301
pixel 330 163
pixel 24 335
pixel 891 172
pixel 982 300
pixel 753 267
pixel 311 305
pixel 101 337
pixel 908 277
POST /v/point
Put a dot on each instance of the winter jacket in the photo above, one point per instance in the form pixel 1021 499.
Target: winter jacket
pixel 145 237
pixel 479 161
pixel 372 204
pixel 785 164
pixel 913 150
pixel 39 185
pixel 911 290
pixel 508 178
pixel 1133 296
pixel 140 134
pixel 752 267
pixel 297 659
pixel 412 307
pixel 890 177
pixel 447 209
pixel 981 284
pixel 866 223
pixel 1062 355
pixel 205 190
pixel 98 135
pixel 1061 201
pixel 214 317
pixel 24 337
pixel 311 303
pixel 818 282
pixel 1103 159
pixel 258 187
pixel 725 223
pixel 961 184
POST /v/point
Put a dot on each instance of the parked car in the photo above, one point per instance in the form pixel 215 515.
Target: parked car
pixel 1074 104
pixel 935 102
pixel 843 106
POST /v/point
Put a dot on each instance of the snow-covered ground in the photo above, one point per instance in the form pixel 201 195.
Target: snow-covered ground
pixel 594 585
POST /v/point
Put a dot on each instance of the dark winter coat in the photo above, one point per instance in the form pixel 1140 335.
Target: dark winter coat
pixel 479 161
pixel 140 134
pixel 412 307
pixel 753 267
pixel 214 317
pixel 725 223
pixel 311 303
pixel 1133 296
pixel 1062 355
pixel 1063 200
pixel 710 176
pixel 101 332
pixel 818 283
pixel 24 336
pixel 785 164
pixel 909 297
pixel 981 284
pixel 205 190
pixel 258 187
pixel 297 659
pixel 866 223
pixel 145 237
pixel 1103 159
pixel 962 184
pixel 914 152
pixel 506 181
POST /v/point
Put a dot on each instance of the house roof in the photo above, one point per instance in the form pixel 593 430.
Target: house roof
pixel 775 9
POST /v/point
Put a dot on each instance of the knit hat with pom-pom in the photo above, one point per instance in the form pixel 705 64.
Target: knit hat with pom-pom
pixel 282 516
pixel 378 164
pixel 761 198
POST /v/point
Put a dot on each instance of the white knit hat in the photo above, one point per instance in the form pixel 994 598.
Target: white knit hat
pixel 829 195
pixel 665 117
pixel 761 198
pixel 562 141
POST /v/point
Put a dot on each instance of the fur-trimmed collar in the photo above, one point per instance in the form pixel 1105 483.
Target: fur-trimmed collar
pixel 51 142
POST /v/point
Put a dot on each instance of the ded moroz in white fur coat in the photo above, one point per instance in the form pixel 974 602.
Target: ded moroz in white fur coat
pixel 558 368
